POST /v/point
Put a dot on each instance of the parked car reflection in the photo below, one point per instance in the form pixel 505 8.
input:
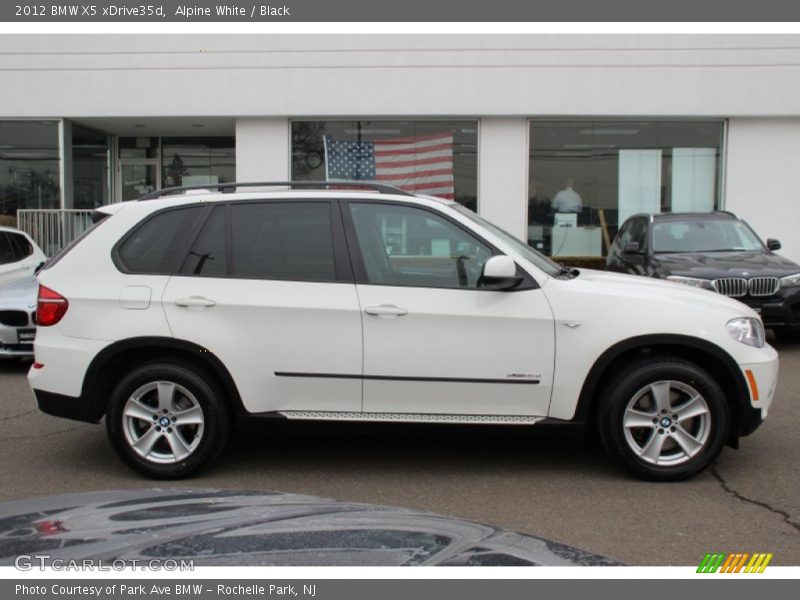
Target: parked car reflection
pixel 260 528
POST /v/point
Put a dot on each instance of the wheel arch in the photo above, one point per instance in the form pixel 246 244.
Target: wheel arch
pixel 705 354
pixel 114 360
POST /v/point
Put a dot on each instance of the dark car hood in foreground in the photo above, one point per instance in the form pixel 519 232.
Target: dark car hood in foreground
pixel 713 265
pixel 239 528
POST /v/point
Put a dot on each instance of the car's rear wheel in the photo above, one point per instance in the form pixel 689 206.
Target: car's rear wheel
pixel 166 421
pixel 664 419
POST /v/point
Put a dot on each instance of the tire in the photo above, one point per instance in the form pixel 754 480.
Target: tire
pixel 661 389
pixel 166 421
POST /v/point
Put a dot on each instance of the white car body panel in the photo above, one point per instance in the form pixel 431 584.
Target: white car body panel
pixel 66 361
pixel 607 308
pixel 258 328
pixel 457 334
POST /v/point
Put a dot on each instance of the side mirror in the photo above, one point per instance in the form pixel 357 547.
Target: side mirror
pixel 500 273
pixel 632 248
pixel 773 244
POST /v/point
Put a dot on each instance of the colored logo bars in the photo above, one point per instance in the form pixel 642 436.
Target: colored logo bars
pixel 734 563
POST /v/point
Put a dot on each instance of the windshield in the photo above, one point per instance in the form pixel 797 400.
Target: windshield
pixel 541 261
pixel 704 236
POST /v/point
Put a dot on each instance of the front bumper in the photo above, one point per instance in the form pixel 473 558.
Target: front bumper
pixel 777 312
pixel 16 351
pixel 762 379
pixel 10 345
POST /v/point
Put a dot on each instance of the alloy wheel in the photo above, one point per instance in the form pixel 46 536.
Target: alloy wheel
pixel 667 423
pixel 163 422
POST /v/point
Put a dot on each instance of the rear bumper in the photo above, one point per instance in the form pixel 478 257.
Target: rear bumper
pixel 67 407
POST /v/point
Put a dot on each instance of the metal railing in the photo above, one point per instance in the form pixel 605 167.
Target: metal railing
pixel 52 229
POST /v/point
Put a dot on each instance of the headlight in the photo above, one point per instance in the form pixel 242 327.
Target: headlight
pixel 746 330
pixel 692 281
pixel 790 280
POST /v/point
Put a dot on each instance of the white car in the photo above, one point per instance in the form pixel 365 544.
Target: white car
pixel 19 255
pixel 185 314
pixel 18 318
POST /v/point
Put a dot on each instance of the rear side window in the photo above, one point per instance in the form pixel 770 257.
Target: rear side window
pixel 157 244
pixel 283 240
pixel 22 246
pixel 7 252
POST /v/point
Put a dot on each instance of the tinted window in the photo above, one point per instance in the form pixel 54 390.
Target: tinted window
pixel 207 256
pixel 155 245
pixel 7 253
pixel 639 233
pixel 624 235
pixel 283 240
pixel 22 246
pixel 402 245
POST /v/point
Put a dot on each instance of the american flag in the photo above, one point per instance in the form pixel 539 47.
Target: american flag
pixel 421 164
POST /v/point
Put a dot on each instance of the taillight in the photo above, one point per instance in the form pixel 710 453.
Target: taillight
pixel 50 308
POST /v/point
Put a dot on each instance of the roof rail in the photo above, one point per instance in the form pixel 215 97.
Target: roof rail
pixel 233 186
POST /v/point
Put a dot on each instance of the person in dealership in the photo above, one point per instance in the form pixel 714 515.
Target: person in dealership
pixel 567 200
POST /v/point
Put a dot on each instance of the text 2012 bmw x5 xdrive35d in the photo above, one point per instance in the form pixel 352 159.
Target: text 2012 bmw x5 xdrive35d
pixel 178 316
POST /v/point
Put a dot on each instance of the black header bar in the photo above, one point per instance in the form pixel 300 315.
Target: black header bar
pixel 443 11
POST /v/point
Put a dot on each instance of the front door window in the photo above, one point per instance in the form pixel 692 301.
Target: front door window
pixel 402 245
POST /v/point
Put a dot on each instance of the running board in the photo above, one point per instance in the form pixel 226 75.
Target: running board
pixel 318 415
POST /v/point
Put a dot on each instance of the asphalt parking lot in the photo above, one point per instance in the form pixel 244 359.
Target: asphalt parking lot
pixel 557 486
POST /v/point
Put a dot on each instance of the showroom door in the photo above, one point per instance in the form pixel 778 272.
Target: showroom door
pixel 137 177
pixel 435 341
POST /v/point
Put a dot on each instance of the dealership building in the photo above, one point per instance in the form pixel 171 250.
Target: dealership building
pixel 521 128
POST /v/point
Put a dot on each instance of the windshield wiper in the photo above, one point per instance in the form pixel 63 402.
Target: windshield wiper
pixel 724 250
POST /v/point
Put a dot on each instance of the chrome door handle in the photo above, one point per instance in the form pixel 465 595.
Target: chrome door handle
pixel 194 302
pixel 386 310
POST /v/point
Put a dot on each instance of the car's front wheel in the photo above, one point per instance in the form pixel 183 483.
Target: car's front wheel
pixel 166 421
pixel 664 419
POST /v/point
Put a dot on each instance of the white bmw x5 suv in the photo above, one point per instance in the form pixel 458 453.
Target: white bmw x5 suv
pixel 193 311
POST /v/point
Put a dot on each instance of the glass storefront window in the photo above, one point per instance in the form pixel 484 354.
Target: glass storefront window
pixel 138 147
pixel 439 158
pixel 587 177
pixel 29 165
pixel 150 163
pixel 197 160
pixel 89 168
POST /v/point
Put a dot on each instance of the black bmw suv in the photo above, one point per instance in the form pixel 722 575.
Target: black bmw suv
pixel 715 251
